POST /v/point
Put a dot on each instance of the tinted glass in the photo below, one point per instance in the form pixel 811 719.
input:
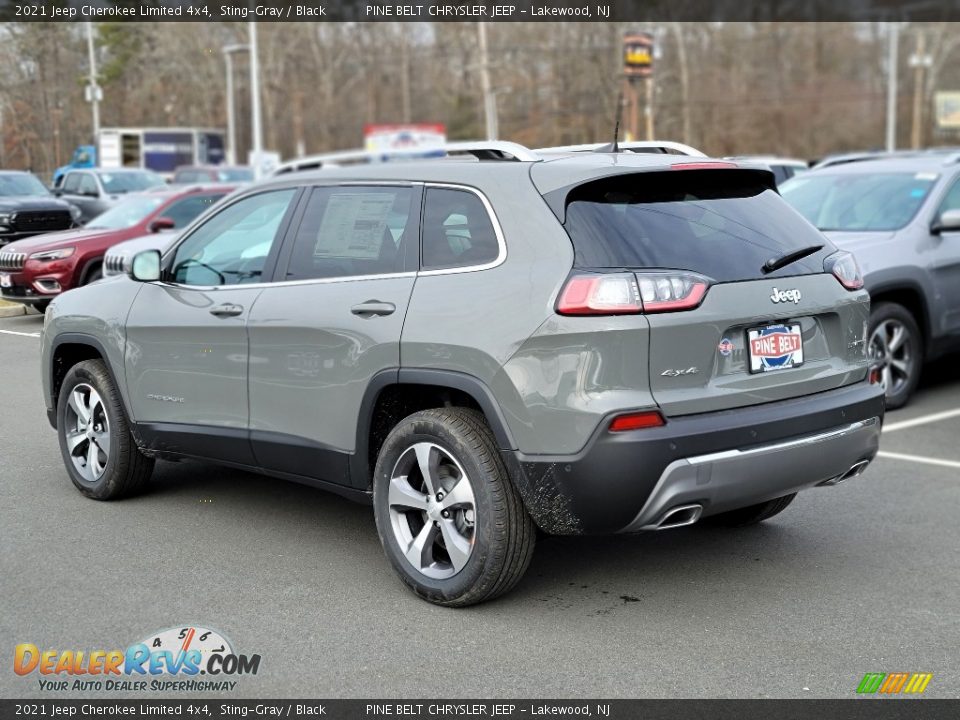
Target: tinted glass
pixel 127 212
pixel 72 183
pixel 457 231
pixel 951 200
pixel 182 212
pixel 21 184
pixel 724 224
pixel 88 186
pixel 349 231
pixel 122 182
pixel 874 201
pixel 232 246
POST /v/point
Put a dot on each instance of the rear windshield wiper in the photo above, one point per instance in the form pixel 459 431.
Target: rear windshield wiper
pixel 776 263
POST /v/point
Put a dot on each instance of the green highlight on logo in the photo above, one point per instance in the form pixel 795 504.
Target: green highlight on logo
pixel 894 683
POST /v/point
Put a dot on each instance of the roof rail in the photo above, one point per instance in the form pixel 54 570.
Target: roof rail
pixel 653 146
pixel 480 149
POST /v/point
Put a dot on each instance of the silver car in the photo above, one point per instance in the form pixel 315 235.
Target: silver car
pixel 598 343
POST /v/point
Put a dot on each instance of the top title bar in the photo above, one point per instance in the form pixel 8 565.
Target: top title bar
pixel 479 10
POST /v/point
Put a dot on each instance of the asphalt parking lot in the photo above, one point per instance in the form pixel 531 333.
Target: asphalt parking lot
pixel 859 578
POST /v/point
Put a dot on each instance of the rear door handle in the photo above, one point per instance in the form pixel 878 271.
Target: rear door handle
pixel 373 307
pixel 227 310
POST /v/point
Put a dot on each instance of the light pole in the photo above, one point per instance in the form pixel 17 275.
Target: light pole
pixel 228 52
pixel 257 129
pixel 892 61
pixel 489 97
pixel 93 89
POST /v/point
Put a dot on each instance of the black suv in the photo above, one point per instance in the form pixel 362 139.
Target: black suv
pixel 27 208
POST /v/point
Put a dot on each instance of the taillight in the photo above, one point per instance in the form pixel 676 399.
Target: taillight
pixel 611 294
pixel 671 291
pixel 636 421
pixel 844 268
pixel 629 294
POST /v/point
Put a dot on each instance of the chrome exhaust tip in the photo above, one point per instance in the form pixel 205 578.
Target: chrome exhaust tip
pixel 680 516
pixel 856 469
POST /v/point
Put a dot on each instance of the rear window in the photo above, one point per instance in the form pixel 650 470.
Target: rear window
pixel 724 224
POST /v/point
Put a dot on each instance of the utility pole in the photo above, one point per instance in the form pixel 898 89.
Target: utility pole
pixel 93 89
pixel 405 78
pixel 489 98
pixel 681 41
pixel 919 61
pixel 256 119
pixel 228 52
pixel 893 29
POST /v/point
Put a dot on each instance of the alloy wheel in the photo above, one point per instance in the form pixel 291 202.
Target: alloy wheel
pixel 87 432
pixel 432 510
pixel 892 348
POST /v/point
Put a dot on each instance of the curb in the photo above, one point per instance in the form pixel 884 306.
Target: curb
pixel 8 310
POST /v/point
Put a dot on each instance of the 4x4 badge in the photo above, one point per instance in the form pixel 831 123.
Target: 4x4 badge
pixel 779 296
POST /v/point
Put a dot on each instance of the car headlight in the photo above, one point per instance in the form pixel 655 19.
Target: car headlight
pixel 53 254
pixel 4 218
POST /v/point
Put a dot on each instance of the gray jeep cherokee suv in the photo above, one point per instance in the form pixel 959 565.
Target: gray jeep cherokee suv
pixel 593 344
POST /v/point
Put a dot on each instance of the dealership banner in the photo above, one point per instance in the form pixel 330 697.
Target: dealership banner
pixel 483 709
pixel 476 10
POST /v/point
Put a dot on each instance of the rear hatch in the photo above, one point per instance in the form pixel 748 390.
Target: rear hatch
pixel 734 321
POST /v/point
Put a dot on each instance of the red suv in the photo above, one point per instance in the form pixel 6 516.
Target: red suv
pixel 37 269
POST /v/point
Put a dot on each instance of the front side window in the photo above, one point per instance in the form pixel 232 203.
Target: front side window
pixel 232 246
pixel 72 183
pixel 457 231
pixel 859 201
pixel 348 231
pixel 88 186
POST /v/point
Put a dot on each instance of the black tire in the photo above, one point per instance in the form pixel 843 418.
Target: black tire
pixel 752 514
pixel 503 535
pixel 126 469
pixel 41 307
pixel 883 316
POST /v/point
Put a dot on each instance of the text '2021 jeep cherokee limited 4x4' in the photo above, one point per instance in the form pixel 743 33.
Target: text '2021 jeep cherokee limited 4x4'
pixel 592 344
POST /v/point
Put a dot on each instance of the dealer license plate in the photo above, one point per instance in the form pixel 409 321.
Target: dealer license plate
pixel 774 347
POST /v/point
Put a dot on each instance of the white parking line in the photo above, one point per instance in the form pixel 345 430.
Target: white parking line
pixel 922 420
pixel 919 459
pixel 22 334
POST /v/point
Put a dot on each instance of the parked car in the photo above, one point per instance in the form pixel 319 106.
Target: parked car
pixel 901 217
pixel 594 344
pixel 213 174
pixel 95 191
pixel 783 168
pixel 36 270
pixel 27 208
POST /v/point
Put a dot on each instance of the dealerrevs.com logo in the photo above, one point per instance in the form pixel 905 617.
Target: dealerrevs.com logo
pixel 186 658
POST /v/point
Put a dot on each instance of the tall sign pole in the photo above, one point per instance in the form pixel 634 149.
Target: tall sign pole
pixel 637 67
pixel 256 119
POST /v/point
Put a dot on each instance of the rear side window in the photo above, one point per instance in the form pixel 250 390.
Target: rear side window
pixel 457 231
pixel 348 231
pixel 724 224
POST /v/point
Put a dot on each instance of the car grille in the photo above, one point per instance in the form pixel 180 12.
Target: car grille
pixel 12 260
pixel 40 220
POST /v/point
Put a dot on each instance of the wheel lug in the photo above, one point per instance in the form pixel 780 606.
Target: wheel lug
pixel 446 513
pixel 439 496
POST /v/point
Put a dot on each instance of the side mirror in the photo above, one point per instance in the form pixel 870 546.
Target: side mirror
pixel 949 221
pixel 145 266
pixel 57 191
pixel 161 224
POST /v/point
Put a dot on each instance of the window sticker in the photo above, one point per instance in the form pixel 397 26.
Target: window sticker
pixel 353 225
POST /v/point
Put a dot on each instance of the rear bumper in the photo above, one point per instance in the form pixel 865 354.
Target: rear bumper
pixel 709 463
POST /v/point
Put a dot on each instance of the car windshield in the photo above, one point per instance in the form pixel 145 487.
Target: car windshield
pixel 123 182
pixel 21 184
pixel 127 213
pixel 235 175
pixel 861 201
